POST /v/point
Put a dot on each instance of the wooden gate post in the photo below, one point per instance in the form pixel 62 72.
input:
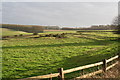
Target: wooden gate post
pixel 50 77
pixel 82 72
pixel 118 63
pixel 104 65
pixel 119 57
pixel 61 74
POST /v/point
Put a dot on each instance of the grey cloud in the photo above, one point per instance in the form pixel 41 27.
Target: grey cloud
pixel 59 13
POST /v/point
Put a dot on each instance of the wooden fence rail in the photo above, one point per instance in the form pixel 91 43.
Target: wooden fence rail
pixel 61 73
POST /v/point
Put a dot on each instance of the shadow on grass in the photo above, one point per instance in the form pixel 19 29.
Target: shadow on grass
pixel 94 43
pixel 86 59
pixel 69 63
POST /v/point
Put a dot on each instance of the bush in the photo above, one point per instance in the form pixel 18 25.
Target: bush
pixel 21 35
pixel 35 33
pixel 15 35
pixel 40 35
pixel 46 35
pixel 60 36
pixel 51 35
pixel 5 37
pixel 37 37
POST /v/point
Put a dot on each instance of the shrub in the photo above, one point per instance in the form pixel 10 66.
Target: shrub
pixel 51 35
pixel 59 36
pixel 5 37
pixel 47 35
pixel 40 35
pixel 37 37
pixel 35 33
pixel 15 35
pixel 21 35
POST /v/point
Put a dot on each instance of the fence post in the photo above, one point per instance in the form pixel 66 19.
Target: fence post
pixel 61 74
pixel 118 63
pixel 50 77
pixel 82 72
pixel 119 57
pixel 104 65
pixel 97 67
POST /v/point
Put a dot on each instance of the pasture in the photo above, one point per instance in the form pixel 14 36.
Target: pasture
pixel 9 32
pixel 25 57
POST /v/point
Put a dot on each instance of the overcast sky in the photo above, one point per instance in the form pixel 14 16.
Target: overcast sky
pixel 71 14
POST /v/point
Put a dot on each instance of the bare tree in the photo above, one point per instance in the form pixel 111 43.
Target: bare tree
pixel 116 22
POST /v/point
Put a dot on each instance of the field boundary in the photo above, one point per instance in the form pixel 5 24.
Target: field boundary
pixel 61 72
pixel 39 35
pixel 48 35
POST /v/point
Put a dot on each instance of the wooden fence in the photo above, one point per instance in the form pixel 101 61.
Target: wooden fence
pixel 61 72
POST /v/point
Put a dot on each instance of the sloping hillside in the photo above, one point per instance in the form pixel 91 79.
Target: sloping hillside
pixel 8 32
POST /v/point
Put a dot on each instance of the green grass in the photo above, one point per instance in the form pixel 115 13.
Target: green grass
pixel 9 32
pixel 26 57
pixel 58 32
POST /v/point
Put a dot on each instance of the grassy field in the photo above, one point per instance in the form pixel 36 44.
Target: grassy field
pixel 26 57
pixel 58 31
pixel 9 32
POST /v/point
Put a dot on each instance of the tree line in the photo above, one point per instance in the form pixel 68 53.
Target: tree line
pixel 94 27
pixel 25 28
